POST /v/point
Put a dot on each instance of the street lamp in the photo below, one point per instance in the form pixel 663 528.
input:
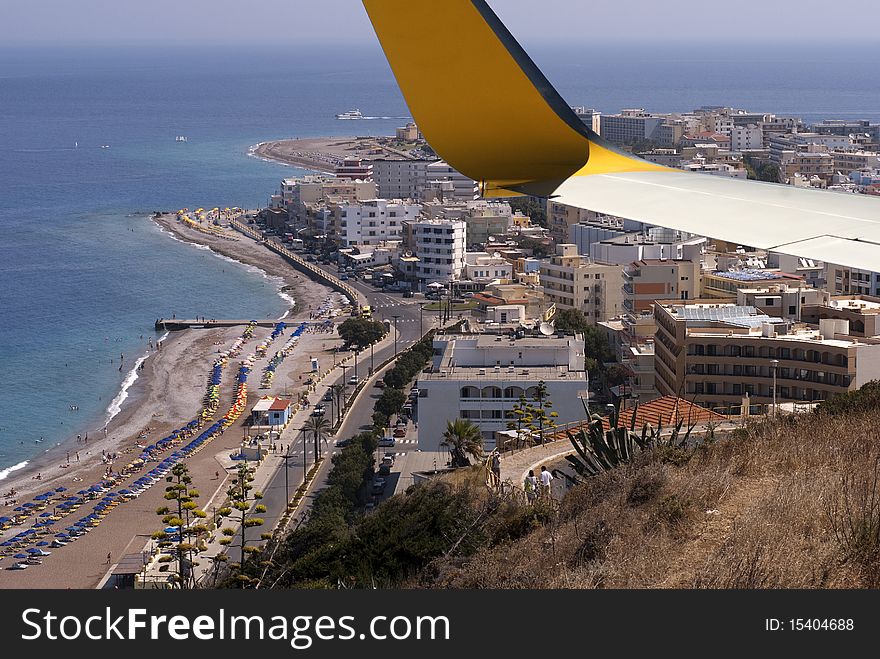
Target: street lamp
pixel 372 345
pixel 395 317
pixel 356 363
pixel 421 324
pixel 773 364
pixel 286 457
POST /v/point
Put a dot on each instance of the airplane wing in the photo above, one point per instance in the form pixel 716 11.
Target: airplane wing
pixel 487 109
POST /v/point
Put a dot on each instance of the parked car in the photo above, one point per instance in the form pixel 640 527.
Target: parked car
pixel 380 383
pixel 387 441
pixel 343 277
pixel 342 443
pixel 328 397
pixel 408 294
pixel 400 432
pixel 353 379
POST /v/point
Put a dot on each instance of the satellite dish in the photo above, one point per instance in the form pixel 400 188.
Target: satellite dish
pixel 407 254
pixel 547 329
pixel 496 255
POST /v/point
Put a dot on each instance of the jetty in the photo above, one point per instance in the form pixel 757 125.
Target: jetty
pixel 174 324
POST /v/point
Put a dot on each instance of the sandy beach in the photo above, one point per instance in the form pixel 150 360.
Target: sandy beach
pixel 322 154
pixel 167 394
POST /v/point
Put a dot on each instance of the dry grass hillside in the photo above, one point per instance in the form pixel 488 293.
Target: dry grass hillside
pixel 791 504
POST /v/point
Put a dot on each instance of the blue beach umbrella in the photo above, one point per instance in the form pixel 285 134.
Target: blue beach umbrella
pixel 21 556
pixel 61 489
pixel 42 543
pixel 33 550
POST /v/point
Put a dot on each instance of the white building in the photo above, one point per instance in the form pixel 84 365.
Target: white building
pixel 462 188
pixel 481 377
pixel 482 267
pixel 440 248
pixel 746 138
pixel 371 222
pixel 658 244
pixel 400 179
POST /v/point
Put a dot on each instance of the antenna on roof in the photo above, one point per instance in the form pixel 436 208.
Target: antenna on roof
pixel 547 329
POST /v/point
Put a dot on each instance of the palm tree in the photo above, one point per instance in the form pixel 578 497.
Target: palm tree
pixel 319 428
pixel 338 392
pixel 462 438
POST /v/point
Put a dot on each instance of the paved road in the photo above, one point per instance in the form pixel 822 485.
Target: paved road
pixel 358 418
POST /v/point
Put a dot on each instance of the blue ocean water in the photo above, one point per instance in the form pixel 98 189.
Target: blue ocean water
pixel 84 275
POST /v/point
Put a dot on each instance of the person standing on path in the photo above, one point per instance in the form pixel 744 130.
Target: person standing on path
pixel 531 486
pixel 546 478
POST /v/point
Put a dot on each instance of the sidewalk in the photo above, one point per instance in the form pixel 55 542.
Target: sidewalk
pixel 515 466
pixel 267 468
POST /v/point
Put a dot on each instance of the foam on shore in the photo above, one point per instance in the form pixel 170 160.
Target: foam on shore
pixel 115 406
pixel 5 472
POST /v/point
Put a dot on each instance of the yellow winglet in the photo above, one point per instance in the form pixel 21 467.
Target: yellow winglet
pixel 481 102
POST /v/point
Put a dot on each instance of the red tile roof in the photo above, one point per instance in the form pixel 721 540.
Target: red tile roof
pixel 666 411
pixel 280 404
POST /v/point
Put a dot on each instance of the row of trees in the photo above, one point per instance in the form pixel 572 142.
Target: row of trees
pixel 310 555
pixel 187 533
pixel 359 333
pixel 408 365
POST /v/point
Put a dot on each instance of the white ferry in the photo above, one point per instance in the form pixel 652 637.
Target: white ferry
pixel 351 114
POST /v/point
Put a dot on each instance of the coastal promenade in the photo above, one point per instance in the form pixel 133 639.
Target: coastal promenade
pixel 300 263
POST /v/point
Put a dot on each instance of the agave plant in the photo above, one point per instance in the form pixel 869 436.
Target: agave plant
pixel 599 450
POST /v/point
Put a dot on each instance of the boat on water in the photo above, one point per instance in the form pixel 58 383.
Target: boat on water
pixel 180 138
pixel 351 114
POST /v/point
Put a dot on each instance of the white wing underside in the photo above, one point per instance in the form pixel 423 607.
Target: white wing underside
pixel 838 228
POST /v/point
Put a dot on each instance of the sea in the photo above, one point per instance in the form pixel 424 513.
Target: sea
pixel 88 151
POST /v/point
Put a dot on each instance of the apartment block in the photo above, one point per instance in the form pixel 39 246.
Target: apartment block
pixel 851 161
pixel 445 183
pixel 483 268
pixel 746 138
pixel 400 179
pixel 657 244
pixel 862 312
pixel 631 125
pixel 370 222
pixel 648 280
pixel 719 353
pixel 726 283
pixel 844 280
pixel 591 118
pixel 781 300
pixel 440 248
pixel 572 281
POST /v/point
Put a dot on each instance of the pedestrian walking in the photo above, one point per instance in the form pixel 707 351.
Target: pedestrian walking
pixel 546 479
pixel 108 558
pixel 496 465
pixel 531 486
